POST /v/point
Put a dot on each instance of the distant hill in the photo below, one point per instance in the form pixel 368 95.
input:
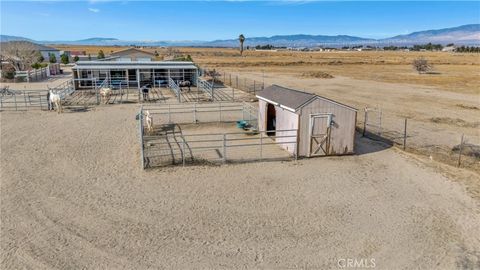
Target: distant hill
pixel 293 41
pixel 6 38
pixel 465 34
pixel 461 35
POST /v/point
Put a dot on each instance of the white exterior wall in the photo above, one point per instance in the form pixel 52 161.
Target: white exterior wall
pixel 285 120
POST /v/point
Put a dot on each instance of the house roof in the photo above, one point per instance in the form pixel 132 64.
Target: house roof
pixel 291 98
pixel 130 50
pixel 134 65
pixel 287 97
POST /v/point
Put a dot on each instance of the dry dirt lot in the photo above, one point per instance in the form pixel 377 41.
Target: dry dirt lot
pixel 73 196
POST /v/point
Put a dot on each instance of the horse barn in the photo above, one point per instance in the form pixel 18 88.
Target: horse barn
pixel 324 127
pixel 132 68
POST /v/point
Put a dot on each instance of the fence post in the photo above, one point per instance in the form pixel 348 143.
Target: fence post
pixel 237 82
pixel 195 112
pixel 15 100
pixel 224 148
pixel 254 86
pixel 25 99
pixel 460 152
pixel 220 110
pixel 169 117
pixel 230 80
pixel 405 135
pixel 183 151
pixel 140 120
pixel 365 122
pixel 261 145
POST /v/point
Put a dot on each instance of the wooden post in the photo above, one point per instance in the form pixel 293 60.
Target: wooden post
pixel 365 123
pixel 405 135
pixel 237 81
pixel 224 148
pixel 254 86
pixel 460 152
pixel 15 100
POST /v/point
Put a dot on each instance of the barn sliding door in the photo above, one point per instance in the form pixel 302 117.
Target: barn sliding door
pixel 319 134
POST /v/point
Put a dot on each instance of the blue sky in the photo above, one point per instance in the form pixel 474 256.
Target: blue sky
pixel 209 20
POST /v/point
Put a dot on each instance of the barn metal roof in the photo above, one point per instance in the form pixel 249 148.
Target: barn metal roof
pixel 291 98
pixel 287 97
pixel 134 65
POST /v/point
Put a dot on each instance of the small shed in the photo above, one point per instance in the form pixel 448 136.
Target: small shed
pixel 323 126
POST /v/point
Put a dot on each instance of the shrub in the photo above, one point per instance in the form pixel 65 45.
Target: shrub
pixel 64 58
pixel 53 58
pixel 421 65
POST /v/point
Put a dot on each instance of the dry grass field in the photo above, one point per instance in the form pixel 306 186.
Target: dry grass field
pixel 457 72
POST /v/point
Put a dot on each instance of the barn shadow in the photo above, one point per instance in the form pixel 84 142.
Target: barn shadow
pixel 367 145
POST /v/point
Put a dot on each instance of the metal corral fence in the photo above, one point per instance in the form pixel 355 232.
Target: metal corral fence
pixel 458 151
pixel 24 100
pixel 245 84
pixel 18 100
pixel 188 141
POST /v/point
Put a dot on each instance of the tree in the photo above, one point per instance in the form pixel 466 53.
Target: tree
pixel 241 39
pixel 100 55
pixel 76 58
pixel 89 57
pixel 40 58
pixel 64 58
pixel 19 54
pixel 52 58
pixel 421 65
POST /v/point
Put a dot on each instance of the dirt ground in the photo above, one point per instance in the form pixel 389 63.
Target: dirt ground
pixel 73 196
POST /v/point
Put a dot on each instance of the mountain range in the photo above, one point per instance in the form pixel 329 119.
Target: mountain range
pixel 461 35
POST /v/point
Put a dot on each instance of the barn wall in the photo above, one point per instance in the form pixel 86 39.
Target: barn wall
pixel 262 114
pixel 285 120
pixel 342 132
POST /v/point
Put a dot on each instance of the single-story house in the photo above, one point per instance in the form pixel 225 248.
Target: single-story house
pixel 47 51
pixel 322 126
pixel 135 74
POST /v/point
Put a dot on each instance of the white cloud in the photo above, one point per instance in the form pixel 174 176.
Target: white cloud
pixel 94 10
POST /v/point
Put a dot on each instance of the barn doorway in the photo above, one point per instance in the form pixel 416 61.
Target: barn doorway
pixel 271 120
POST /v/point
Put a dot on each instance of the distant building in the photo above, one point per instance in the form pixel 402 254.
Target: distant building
pixel 132 54
pixel 449 49
pixel 47 51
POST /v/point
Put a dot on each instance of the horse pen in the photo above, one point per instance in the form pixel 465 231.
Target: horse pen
pixel 207 133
